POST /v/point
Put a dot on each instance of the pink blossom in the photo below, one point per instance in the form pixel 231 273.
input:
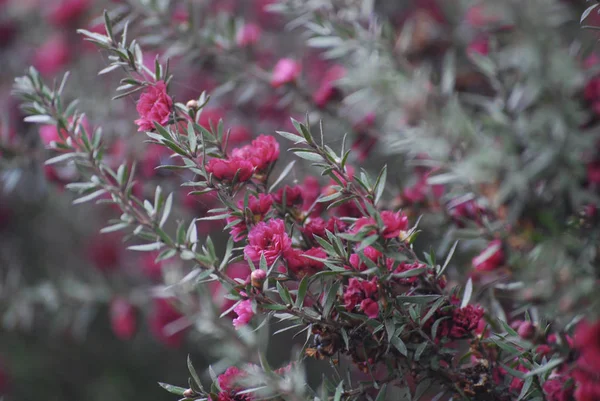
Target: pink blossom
pixel 317 226
pixel 263 152
pixel 259 207
pixel 52 55
pixel 593 172
pixel 248 35
pixel 301 265
pixel 364 294
pixel 491 258
pixel 328 89
pixel 465 320
pixel 211 115
pixel 269 239
pixel 163 314
pixel 122 318
pixel 393 223
pixel 244 313
pixel 591 94
pixel 228 382
pixel 556 388
pixel 370 253
pixel 153 106
pixel 404 267
pixel 285 71
pixel 226 169
pixel 293 196
pixel 66 12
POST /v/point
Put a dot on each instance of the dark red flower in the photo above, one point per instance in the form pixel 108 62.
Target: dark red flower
pixel 464 321
pixel 557 389
pixel 259 207
pixel 153 106
pixel 105 252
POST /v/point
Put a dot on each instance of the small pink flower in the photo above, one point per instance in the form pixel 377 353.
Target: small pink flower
pixel 364 294
pixel 285 71
pixel 154 106
pixel 122 318
pixel 370 253
pixel 52 55
pixel 263 152
pixel 244 313
pixel 293 196
pixel 301 265
pixel 491 258
pixel 259 207
pixel 269 239
pixel 328 89
pixel 557 389
pixel 248 35
pixel 393 223
pixel 226 169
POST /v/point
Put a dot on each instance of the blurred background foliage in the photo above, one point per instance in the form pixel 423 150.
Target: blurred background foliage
pixel 493 106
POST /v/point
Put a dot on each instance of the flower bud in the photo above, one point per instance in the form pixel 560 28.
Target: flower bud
pixel 526 330
pixel 257 278
pixel 189 393
pixel 192 104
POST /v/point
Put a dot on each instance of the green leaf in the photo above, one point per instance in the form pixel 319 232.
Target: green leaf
pixel 61 158
pixel 284 293
pixel 467 294
pixel 193 373
pixel 380 184
pixel 292 137
pixel 308 155
pixel 283 174
pixel 544 368
pixel 172 389
pixel 399 344
pixel 448 258
pixel 146 247
pixel 338 392
pixel 89 197
pixel 302 289
pixel 381 394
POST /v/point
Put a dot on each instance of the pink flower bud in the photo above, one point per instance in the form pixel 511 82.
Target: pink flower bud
pixel 248 35
pixel 526 330
pixel 285 71
pixel 257 278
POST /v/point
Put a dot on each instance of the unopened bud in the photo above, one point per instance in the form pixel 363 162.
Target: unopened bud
pixel 526 330
pixel 192 104
pixel 189 393
pixel 257 278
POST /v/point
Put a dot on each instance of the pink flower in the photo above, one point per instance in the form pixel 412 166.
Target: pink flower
pixel 556 388
pixel 228 382
pixel 587 341
pixel 150 267
pixel 248 35
pixel 591 94
pixel 479 46
pixel 52 55
pixel 210 116
pixel 268 239
pixel 163 315
pixel 285 71
pixel 465 320
pixel 317 226
pixel 327 89
pixel 122 318
pixel 154 106
pixel 66 12
pixel 259 207
pixel 491 258
pixel 218 292
pixel 263 152
pixel 293 196
pixel 226 169
pixel 477 16
pixel 301 265
pixel 364 294
pixel 393 223
pixel 244 313
pixel 370 253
